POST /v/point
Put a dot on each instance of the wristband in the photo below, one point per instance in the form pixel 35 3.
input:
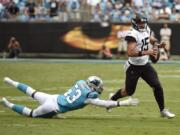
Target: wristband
pixel 118 104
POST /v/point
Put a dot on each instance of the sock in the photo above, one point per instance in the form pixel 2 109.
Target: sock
pixel 26 89
pixel 117 95
pixel 17 108
pixel 22 87
pixel 21 110
pixel 159 96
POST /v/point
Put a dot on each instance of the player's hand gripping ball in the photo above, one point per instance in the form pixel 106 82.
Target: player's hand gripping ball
pixel 155 58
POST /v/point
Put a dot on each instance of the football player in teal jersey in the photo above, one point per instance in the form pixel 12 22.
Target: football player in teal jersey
pixel 84 92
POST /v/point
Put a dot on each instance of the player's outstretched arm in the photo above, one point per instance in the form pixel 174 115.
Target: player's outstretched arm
pixel 110 103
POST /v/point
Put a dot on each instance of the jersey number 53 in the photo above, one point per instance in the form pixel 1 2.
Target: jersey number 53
pixel 73 94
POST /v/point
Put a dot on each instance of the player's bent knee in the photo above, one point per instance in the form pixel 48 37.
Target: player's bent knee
pixel 130 92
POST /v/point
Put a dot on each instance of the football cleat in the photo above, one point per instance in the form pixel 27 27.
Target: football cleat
pixel 166 113
pixel 4 101
pixel 8 80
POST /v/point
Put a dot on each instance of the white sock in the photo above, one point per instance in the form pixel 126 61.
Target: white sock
pixel 30 91
pixel 27 111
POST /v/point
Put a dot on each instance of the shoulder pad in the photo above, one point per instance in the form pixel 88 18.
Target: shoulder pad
pixel 132 33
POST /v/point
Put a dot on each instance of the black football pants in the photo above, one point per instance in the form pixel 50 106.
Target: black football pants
pixel 148 74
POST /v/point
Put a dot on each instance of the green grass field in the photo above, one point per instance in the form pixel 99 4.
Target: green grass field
pixel 57 76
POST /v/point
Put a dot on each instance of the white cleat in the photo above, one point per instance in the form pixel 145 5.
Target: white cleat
pixel 4 101
pixel 133 101
pixel 166 113
pixel 109 110
pixel 8 80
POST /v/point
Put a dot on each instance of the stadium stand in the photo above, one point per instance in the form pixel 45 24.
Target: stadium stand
pixel 88 10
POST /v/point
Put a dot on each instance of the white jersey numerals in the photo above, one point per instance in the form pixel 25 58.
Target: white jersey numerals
pixel 73 95
pixel 145 43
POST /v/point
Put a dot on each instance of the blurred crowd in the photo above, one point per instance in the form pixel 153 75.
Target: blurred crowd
pixel 88 10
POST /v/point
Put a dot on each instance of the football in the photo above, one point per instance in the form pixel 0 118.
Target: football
pixel 155 59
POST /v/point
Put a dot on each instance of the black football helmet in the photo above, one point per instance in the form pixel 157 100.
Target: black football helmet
pixel 139 22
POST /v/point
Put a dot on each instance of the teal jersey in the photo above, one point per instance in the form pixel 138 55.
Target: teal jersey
pixel 75 97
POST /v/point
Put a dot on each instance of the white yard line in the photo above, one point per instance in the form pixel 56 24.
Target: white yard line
pixel 107 126
pixel 2 111
pixel 26 98
pixel 168 71
pixel 169 76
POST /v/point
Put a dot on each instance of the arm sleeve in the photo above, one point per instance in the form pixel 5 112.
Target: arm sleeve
pixel 102 103
pixel 93 95
pixel 130 39
pixel 131 36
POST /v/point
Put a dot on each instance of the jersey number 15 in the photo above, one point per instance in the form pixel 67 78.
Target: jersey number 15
pixel 145 43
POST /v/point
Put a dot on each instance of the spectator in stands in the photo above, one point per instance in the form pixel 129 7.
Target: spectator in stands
pixel 74 10
pixel 105 52
pixel 63 16
pixel 53 11
pixel 177 5
pixel 138 3
pixel 1 7
pixel 126 16
pixel 129 2
pixel 127 6
pixel 122 45
pixel 115 15
pixel 14 48
pixel 116 12
pixel 30 5
pixel 127 13
pixel 97 14
pixel 12 9
pixel 23 15
pixel 164 15
pixel 93 5
pixel 165 33
pixel 147 10
pixel 175 16
pixel 1 10
pixel 41 13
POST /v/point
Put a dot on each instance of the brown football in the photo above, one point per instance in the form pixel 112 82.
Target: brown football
pixel 155 59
